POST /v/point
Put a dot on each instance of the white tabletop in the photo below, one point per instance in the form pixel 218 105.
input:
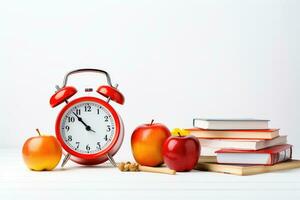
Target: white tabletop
pixel 99 182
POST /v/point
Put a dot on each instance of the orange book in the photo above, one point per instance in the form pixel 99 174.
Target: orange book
pixel 241 143
pixel 234 134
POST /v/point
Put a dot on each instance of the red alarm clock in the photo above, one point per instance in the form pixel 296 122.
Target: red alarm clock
pixel 88 128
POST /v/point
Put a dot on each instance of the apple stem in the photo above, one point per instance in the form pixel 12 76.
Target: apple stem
pixel 152 121
pixel 38 131
pixel 179 134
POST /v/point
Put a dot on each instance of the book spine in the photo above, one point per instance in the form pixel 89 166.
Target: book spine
pixel 280 157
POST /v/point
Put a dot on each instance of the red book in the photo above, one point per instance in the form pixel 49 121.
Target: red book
pixel 268 156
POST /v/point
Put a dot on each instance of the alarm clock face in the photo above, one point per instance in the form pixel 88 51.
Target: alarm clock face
pixel 88 127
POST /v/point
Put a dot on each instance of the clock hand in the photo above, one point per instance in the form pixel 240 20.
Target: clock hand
pixel 87 127
pixel 80 119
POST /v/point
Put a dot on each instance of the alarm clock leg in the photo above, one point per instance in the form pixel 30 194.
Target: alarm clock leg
pixel 111 160
pixel 67 157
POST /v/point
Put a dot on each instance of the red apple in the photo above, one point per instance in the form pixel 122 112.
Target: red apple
pixel 181 153
pixel 41 152
pixel 146 143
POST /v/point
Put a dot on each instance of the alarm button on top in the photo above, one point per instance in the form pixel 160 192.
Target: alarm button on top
pixel 62 95
pixel 112 93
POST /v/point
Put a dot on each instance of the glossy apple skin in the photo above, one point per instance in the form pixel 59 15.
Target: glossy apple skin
pixel 181 153
pixel 41 153
pixel 146 143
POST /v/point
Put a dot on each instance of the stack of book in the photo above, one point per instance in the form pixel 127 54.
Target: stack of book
pixel 241 143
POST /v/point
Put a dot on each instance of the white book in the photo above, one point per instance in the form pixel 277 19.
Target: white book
pixel 232 124
pixel 242 144
pixel 208 151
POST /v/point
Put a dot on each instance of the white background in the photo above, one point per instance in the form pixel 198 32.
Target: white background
pixel 173 60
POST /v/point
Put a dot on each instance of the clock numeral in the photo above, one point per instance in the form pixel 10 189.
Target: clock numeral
pixel 77 143
pixel 106 118
pixel 87 147
pixel 71 119
pixel 105 138
pixel 78 111
pixel 108 128
pixel 67 128
pixel 98 145
pixel 87 108
pixel 69 138
pixel 98 111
